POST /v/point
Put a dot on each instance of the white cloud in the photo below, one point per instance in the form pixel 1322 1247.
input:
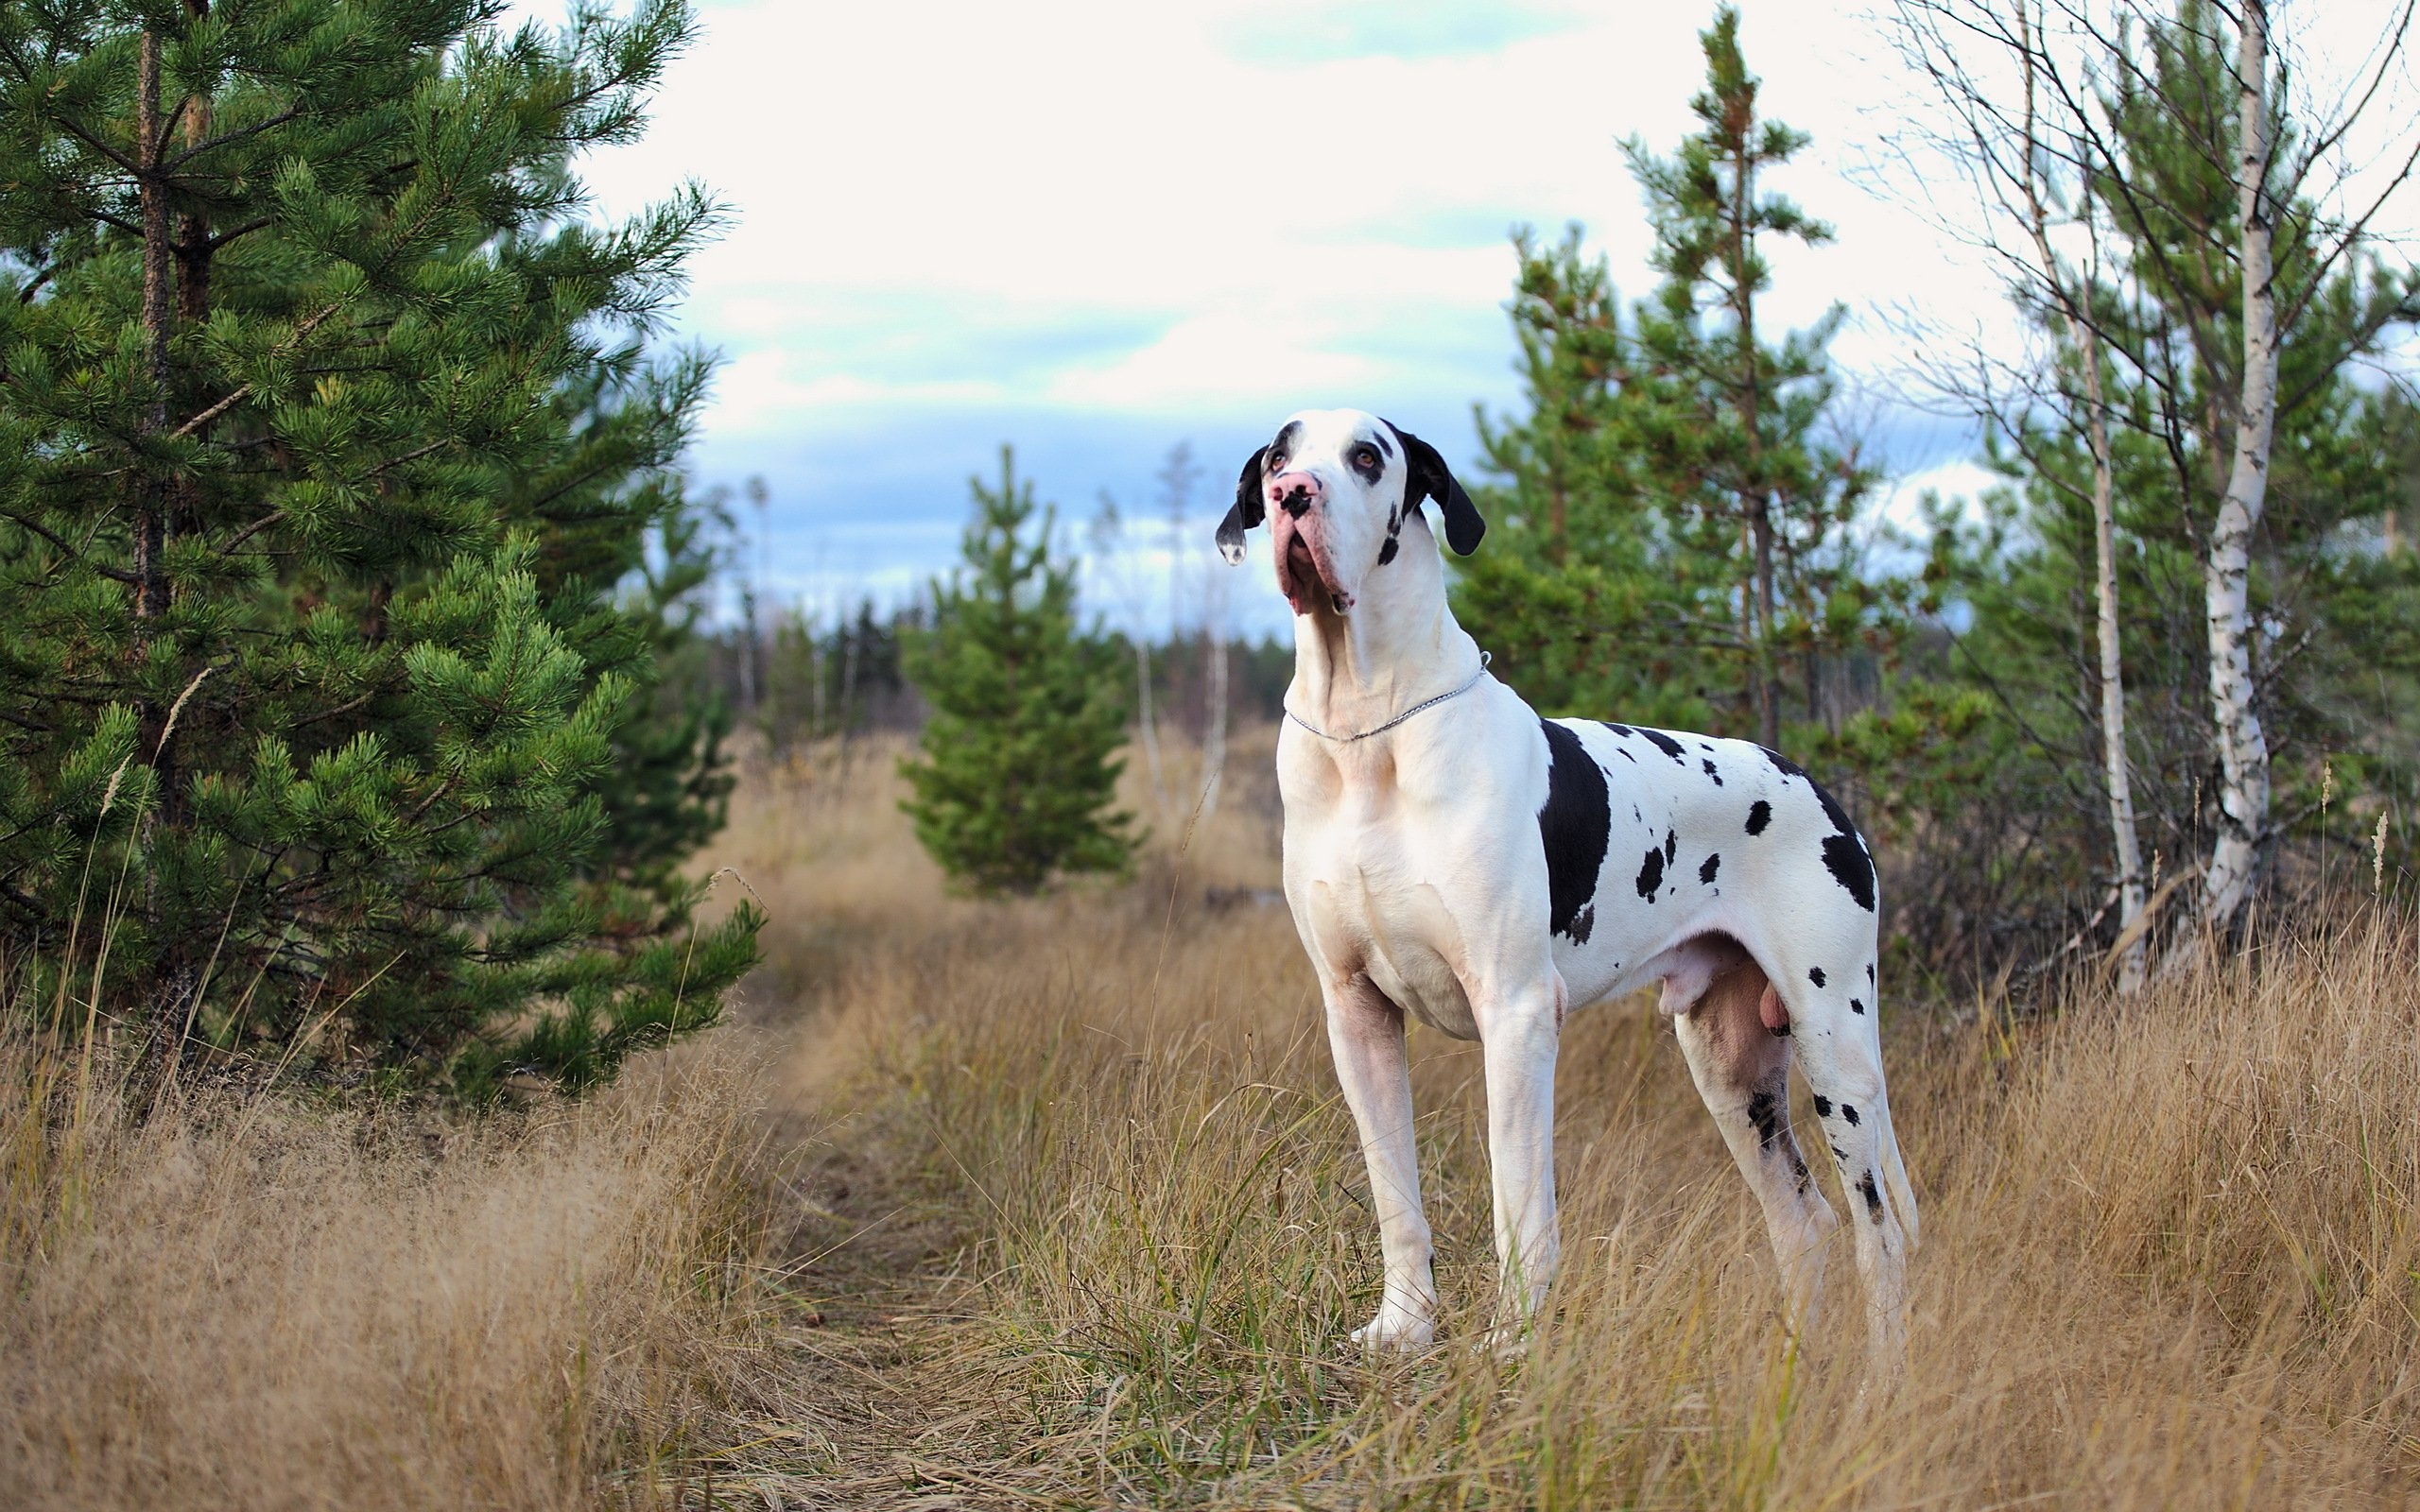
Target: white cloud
pixel 957 219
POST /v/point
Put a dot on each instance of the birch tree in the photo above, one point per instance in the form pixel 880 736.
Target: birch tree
pixel 2011 159
pixel 2243 749
pixel 1111 558
pixel 2245 279
pixel 1178 475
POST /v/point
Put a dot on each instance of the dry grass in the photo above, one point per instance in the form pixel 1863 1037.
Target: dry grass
pixel 245 1302
pixel 2170 1258
pixel 1067 1213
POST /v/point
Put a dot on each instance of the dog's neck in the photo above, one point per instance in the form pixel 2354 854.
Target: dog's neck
pixel 1399 643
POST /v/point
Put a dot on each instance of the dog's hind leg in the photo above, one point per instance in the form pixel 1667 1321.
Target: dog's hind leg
pixel 1366 1033
pixel 1741 1068
pixel 1842 1057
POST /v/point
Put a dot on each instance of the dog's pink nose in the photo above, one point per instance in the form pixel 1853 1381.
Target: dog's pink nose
pixel 1294 493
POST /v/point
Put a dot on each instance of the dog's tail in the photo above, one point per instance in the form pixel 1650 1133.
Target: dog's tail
pixel 1895 1174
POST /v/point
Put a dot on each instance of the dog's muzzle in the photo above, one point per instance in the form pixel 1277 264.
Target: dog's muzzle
pixel 1298 531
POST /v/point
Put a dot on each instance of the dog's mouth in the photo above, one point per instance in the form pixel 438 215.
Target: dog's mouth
pixel 1304 573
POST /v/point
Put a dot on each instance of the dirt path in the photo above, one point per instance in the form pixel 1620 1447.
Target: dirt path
pixel 873 1284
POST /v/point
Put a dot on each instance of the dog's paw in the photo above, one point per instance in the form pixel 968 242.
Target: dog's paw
pixel 1508 1343
pixel 1395 1332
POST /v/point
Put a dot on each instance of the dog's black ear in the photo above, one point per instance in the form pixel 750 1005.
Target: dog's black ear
pixel 1431 479
pixel 1248 511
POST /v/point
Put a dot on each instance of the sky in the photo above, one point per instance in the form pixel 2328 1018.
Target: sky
pixel 1095 231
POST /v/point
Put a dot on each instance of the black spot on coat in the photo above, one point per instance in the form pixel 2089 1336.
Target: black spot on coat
pixel 1651 874
pixel 1765 1112
pixel 1671 846
pixel 1845 854
pixel 1760 814
pixel 1711 772
pixel 1844 857
pixel 1573 826
pixel 1815 974
pixel 1849 1113
pixel 1823 1106
pixel 1584 923
pixel 1856 1006
pixel 1667 745
pixel 1873 1194
pixel 1712 865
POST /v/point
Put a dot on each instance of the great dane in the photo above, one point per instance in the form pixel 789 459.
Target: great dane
pixel 1451 855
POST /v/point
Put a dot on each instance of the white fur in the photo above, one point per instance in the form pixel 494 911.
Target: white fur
pixel 1419 883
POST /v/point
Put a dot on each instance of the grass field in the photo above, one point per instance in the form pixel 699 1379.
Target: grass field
pixel 1053 1203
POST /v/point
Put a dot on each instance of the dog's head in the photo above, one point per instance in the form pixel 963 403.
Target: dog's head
pixel 1338 487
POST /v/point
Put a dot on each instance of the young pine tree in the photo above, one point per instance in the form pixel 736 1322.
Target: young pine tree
pixel 1728 424
pixel 1017 774
pixel 1674 540
pixel 1585 597
pixel 331 438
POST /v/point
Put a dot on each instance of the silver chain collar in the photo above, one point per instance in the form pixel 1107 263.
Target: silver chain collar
pixel 1419 708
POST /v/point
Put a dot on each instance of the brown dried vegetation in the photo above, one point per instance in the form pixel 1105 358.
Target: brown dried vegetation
pixel 1053 1203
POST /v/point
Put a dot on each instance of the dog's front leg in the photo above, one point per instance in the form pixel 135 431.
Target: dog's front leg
pixel 1520 1031
pixel 1366 1033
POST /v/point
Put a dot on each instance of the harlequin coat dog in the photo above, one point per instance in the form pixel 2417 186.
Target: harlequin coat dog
pixel 1450 855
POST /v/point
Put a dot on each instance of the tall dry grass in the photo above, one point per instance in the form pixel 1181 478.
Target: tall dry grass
pixel 1053 1202
pixel 248 1301
pixel 2170 1250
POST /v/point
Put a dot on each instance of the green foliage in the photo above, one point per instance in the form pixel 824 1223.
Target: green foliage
pixel 328 702
pixel 1673 525
pixel 2337 661
pixel 1016 777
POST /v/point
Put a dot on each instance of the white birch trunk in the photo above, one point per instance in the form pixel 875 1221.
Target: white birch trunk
pixel 2243 750
pixel 1214 736
pixel 1148 729
pixel 2116 777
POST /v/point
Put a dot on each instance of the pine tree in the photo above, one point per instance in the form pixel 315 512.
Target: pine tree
pixel 1728 423
pixel 1585 598
pixel 1675 521
pixel 333 434
pixel 1017 774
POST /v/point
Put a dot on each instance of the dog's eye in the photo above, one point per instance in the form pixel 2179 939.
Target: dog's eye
pixel 1366 457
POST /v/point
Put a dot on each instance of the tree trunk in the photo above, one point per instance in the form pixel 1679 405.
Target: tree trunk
pixel 848 687
pixel 2117 780
pixel 1756 499
pixel 172 997
pixel 1214 734
pixel 1146 726
pixel 159 320
pixel 2243 750
pixel 1768 677
pixel 2125 844
pixel 748 657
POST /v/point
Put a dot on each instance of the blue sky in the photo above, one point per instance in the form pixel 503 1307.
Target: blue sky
pixel 1095 229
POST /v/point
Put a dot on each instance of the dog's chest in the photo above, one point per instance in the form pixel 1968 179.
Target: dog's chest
pixel 1380 889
